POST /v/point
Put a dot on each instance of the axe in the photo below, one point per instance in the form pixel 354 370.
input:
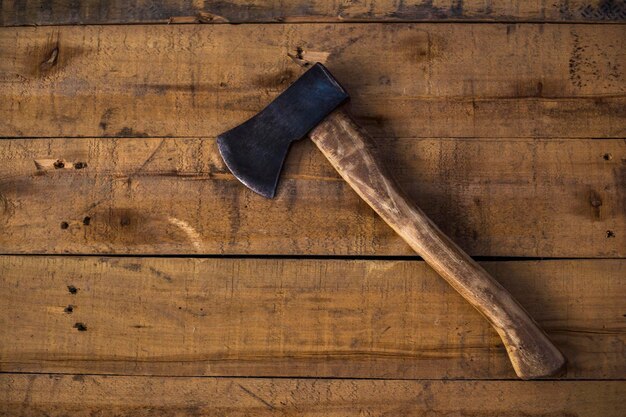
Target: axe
pixel 255 151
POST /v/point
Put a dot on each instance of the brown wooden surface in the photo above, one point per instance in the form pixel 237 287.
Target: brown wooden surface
pixel 507 197
pixel 277 317
pixel 509 135
pixel 406 80
pixel 78 395
pixel 51 12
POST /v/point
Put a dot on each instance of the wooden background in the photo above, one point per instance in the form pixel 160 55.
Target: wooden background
pixel 138 277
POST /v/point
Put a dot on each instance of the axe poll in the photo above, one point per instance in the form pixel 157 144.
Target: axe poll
pixel 255 151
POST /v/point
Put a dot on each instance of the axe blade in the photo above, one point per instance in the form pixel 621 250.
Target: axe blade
pixel 255 150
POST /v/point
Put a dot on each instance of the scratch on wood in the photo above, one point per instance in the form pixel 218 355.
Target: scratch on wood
pixel 192 234
pixel 256 397
pixel 160 274
pixel 151 157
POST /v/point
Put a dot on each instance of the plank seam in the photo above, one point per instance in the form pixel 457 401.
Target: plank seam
pixel 346 21
pixel 512 379
pixel 305 257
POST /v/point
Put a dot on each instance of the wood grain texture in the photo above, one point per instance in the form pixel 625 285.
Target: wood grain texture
pixel 305 318
pixel 406 80
pixel 78 395
pixel 55 12
pixel 510 197
pixel 352 153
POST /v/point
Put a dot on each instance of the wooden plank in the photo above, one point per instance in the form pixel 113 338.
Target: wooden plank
pixel 46 12
pixel 406 80
pixel 512 197
pixel 304 318
pixel 78 395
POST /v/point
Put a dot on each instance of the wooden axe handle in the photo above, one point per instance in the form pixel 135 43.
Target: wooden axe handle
pixel 348 148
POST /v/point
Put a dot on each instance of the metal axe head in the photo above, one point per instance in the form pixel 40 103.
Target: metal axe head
pixel 255 150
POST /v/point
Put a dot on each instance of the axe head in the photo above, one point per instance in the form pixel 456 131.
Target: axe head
pixel 255 150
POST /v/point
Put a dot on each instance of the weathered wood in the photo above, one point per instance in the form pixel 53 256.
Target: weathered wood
pixel 46 12
pixel 78 395
pixel 277 317
pixel 406 80
pixel 511 197
pixel 351 152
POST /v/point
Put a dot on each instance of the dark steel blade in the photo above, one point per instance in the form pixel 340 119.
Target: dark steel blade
pixel 255 150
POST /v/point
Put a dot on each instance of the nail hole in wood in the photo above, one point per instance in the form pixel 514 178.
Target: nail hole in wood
pixel 81 327
pixel 59 164
pixel 610 233
pixel 64 225
pixel 72 289
pixel 607 156
pixel 69 309
pixel 80 165
pixel 87 220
